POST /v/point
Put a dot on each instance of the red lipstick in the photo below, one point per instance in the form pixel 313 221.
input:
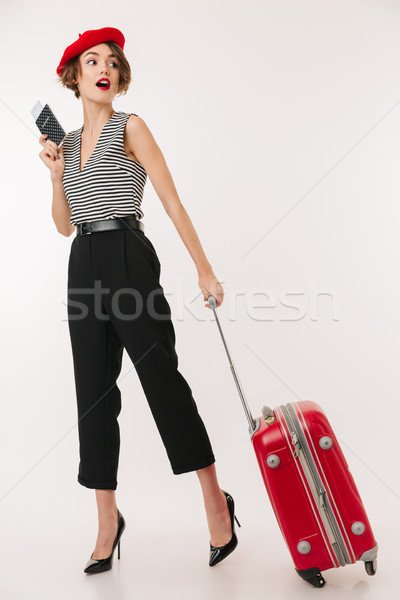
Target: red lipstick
pixel 103 83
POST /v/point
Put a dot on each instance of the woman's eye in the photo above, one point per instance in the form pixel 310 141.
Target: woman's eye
pixel 93 60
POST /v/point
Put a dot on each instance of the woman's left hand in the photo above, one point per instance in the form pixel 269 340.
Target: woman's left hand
pixel 210 285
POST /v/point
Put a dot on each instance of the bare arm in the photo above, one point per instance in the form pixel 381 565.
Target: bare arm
pixel 53 158
pixel 60 210
pixel 142 144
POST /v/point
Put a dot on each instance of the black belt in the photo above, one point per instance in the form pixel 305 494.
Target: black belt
pixel 128 222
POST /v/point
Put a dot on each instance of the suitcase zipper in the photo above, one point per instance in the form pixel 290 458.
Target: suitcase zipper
pixel 303 453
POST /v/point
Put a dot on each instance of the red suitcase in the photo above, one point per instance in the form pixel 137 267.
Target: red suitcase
pixel 313 494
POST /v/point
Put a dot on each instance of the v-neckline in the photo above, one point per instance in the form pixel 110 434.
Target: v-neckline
pixel 95 148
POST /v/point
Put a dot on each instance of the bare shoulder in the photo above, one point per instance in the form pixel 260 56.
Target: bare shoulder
pixel 136 125
pixel 139 140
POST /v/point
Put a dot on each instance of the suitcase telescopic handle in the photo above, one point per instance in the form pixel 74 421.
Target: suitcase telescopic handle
pixel 252 423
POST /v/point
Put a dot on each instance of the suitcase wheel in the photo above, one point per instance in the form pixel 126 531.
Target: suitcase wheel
pixel 312 576
pixel 370 567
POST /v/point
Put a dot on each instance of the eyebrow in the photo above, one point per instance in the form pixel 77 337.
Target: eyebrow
pixel 97 54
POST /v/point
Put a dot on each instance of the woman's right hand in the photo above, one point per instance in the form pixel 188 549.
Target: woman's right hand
pixel 52 156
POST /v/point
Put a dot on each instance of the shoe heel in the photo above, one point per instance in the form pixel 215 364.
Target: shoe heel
pixel 119 551
pixel 237 521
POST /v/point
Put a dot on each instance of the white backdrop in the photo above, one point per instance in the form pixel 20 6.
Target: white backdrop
pixel 279 122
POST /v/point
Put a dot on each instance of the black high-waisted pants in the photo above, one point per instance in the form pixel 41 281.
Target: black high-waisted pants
pixel 115 301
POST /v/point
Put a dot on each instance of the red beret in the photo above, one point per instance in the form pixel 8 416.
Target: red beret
pixel 87 40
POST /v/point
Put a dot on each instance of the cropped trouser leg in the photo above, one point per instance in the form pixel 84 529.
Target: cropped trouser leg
pixel 127 309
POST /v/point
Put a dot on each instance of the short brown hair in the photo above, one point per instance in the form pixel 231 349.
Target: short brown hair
pixel 72 68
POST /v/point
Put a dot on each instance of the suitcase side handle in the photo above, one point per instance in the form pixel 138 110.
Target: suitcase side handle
pixel 253 425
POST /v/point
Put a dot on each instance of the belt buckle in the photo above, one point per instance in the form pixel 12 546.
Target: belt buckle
pixel 83 226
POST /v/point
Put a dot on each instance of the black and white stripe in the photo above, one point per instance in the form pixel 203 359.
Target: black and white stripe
pixel 110 184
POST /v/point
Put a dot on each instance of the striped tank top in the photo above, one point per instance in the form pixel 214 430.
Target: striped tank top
pixel 110 184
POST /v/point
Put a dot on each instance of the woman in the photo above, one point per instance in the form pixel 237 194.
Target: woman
pixel 115 299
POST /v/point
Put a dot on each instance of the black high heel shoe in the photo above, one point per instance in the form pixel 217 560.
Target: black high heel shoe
pixel 218 553
pixel 98 565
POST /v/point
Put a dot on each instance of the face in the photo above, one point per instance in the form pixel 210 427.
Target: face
pixel 97 63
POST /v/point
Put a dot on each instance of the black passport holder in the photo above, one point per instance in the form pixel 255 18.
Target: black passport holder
pixel 48 123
